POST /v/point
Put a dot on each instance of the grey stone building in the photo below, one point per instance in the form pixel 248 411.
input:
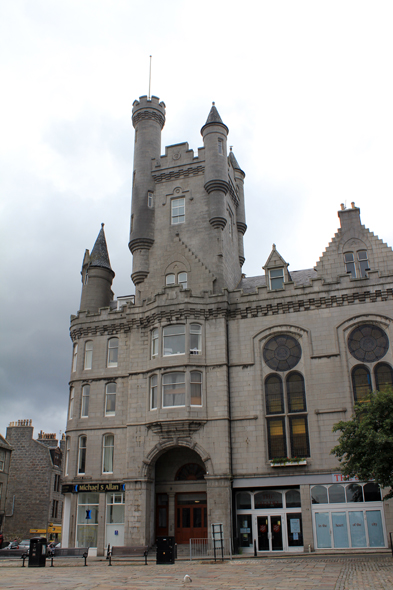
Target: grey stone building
pixel 34 502
pixel 5 459
pixel 210 397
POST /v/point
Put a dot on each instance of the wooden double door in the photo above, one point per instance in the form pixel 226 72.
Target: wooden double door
pixel 190 516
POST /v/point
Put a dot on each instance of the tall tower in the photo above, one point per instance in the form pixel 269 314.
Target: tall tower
pixel 97 276
pixel 215 134
pixel 148 119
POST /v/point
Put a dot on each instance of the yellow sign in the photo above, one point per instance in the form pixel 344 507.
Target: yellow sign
pixel 39 531
pixel 54 529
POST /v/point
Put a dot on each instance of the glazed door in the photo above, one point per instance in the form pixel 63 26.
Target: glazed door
pixel 270 535
pixel 191 517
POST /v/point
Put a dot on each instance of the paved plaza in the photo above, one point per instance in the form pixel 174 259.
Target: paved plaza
pixel 362 572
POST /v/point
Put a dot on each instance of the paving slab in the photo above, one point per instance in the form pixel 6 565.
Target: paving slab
pixel 371 572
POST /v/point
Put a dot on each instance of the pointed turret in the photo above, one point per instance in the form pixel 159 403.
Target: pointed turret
pixel 97 276
pixel 241 209
pixel 214 134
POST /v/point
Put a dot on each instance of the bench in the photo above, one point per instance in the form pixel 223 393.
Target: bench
pixel 137 551
pixel 14 553
pixel 68 552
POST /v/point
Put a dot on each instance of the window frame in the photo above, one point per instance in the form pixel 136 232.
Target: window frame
pixel 85 400
pixel 165 338
pixel 74 357
pixel 71 403
pixel 153 388
pixel 88 360
pixel 181 392
pixel 287 416
pixel 276 278
pixel 356 369
pixel 82 453
pixel 195 405
pixel 112 363
pixel 176 205
pixel 108 452
pixel 112 394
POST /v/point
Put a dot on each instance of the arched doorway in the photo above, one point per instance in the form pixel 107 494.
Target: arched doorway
pixel 181 499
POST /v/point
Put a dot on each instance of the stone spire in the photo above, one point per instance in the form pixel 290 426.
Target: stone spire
pixel 97 276
pixel 214 119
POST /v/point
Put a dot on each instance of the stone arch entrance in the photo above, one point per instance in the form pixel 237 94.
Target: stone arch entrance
pixel 180 495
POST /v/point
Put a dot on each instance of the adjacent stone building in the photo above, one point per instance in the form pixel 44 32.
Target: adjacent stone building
pixel 209 397
pixel 34 501
pixel 5 459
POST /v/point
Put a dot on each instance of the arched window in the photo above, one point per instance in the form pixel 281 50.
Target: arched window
pixel 361 383
pixel 268 499
pixel 107 453
pixel 170 279
pixel 296 393
pixel 336 494
pixel 274 395
pixel 372 492
pixel 88 354
pixel 113 348
pixel 190 472
pixel 85 401
pixel 319 495
pixel 82 443
pixel 110 399
pixel 383 377
pixel 292 499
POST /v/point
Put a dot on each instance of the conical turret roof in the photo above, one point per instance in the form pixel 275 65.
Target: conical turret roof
pixel 233 161
pixel 214 118
pixel 99 255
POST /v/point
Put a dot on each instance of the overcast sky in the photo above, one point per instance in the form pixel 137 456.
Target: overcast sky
pixel 305 88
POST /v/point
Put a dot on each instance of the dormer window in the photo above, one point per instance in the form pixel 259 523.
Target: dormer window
pixel 276 278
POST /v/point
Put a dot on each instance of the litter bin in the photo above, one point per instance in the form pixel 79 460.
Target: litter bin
pixel 165 550
pixel 37 553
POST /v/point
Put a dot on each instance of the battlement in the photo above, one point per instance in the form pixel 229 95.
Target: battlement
pixel 145 101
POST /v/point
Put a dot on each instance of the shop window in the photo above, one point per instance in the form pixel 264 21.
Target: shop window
pixel 292 499
pixel 268 499
pixel 383 377
pixel 82 454
pixel 174 339
pixel 88 355
pixel 113 349
pixel 196 388
pixel 153 392
pixel 107 454
pixel 244 530
pixel 178 211
pixel 336 494
pixel 173 389
pixel 361 383
pixel 372 492
pixel 74 357
pixel 85 401
pixel 319 495
pixel 87 520
pixel 243 501
pixel 115 508
pixel 110 399
pixel 295 530
pixel 354 493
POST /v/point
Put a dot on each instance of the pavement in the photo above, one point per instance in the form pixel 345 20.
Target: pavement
pixel 311 572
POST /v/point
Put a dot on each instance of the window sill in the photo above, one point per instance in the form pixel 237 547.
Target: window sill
pixel 289 463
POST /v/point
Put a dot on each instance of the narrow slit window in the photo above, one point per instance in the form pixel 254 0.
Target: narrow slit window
pixel 85 401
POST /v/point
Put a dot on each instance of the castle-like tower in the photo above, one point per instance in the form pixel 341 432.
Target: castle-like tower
pixel 210 397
